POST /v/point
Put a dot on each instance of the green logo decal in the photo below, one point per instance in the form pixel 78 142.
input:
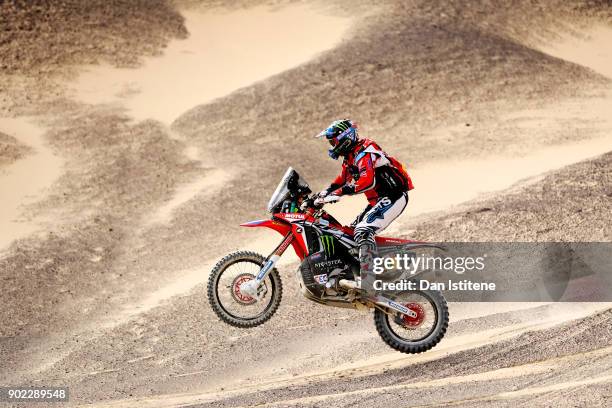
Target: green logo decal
pixel 328 244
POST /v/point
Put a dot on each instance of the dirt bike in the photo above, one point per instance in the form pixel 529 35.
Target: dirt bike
pixel 245 290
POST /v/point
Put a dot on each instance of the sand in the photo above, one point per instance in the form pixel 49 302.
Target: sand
pixel 142 175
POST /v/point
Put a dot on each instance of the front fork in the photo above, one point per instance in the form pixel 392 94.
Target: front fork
pixel 252 287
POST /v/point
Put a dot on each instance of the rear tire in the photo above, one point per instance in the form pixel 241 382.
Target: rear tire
pixel 395 341
pixel 272 281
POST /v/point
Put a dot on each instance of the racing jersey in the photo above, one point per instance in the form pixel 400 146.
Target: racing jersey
pixel 368 169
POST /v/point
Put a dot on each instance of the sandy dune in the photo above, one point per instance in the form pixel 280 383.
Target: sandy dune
pixel 203 67
pixel 25 180
pixel 141 176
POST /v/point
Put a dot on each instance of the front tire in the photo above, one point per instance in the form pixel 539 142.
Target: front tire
pixel 401 332
pixel 234 307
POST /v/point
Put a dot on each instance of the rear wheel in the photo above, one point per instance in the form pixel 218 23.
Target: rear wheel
pixel 230 303
pixel 414 334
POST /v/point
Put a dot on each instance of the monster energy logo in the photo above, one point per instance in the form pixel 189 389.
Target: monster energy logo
pixel 328 244
pixel 343 126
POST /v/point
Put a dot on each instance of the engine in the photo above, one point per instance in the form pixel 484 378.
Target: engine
pixel 316 270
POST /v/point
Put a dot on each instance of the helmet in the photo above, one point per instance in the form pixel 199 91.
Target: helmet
pixel 342 136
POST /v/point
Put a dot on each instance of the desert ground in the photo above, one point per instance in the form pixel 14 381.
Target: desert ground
pixel 136 135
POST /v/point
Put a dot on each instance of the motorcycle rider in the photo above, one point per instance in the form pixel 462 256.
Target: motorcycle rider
pixel 366 168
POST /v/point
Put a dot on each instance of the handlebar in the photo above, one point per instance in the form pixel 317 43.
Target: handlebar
pixel 309 206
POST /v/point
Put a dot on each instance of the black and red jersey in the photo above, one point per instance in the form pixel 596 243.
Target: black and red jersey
pixel 368 169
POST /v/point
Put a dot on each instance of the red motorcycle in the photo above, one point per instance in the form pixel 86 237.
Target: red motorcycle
pixel 244 288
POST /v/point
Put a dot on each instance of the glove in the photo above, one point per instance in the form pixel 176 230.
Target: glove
pixel 332 198
pixel 318 198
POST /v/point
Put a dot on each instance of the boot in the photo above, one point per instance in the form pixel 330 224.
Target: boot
pixel 367 253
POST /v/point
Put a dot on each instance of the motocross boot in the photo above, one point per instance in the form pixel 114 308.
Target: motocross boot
pixel 364 237
pixel 367 253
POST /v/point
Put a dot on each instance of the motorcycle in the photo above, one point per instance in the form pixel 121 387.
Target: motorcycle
pixel 245 289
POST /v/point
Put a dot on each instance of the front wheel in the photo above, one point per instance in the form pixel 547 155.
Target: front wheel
pixel 229 303
pixel 416 334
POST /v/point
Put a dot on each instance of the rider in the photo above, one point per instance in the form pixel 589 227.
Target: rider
pixel 366 168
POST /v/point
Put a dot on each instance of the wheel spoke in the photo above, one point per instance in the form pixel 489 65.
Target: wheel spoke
pixel 226 295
